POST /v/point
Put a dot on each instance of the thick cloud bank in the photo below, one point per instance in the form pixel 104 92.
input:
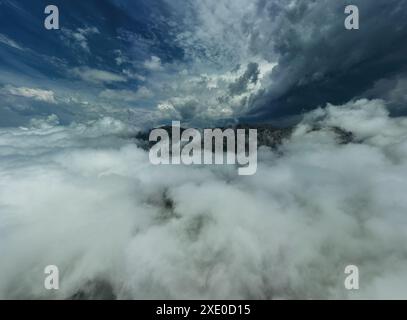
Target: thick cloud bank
pixel 86 199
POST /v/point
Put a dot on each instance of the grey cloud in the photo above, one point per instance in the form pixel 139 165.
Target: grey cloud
pixel 393 90
pixel 251 75
pixel 319 60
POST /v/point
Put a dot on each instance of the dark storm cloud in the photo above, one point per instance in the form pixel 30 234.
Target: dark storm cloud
pixel 319 61
pixel 251 75
pixel 393 90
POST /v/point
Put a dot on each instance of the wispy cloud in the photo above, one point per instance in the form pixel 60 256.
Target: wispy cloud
pixel 9 42
pixel 31 93
pixel 97 75
pixel 126 95
pixel 287 232
pixel 79 36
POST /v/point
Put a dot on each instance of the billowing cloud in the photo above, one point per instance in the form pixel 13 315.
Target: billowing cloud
pixel 210 97
pixel 314 206
pixel 318 60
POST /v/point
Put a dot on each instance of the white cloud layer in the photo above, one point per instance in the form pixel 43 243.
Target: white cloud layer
pixel 85 198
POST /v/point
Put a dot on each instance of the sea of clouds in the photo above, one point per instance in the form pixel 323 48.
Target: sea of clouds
pixel 84 197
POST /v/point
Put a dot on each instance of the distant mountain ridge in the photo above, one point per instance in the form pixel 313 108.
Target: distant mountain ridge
pixel 267 135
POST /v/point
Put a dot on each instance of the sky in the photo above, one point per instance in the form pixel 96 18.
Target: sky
pixel 202 62
pixel 77 191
